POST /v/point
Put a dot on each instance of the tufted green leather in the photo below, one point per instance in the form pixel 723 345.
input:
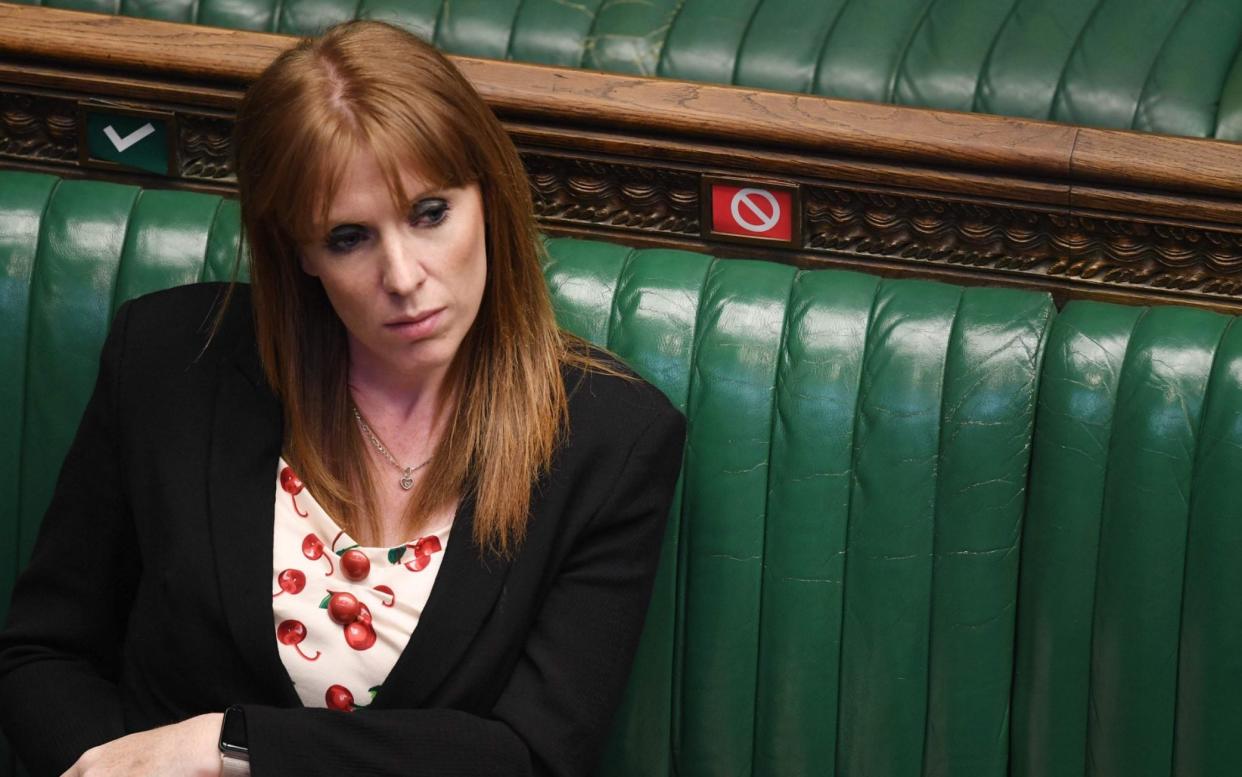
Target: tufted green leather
pixel 921 529
pixel 1169 66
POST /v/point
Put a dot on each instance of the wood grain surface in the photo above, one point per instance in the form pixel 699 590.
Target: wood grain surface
pixel 743 118
pixel 965 198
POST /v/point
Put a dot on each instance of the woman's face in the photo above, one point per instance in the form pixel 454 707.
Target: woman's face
pixel 406 283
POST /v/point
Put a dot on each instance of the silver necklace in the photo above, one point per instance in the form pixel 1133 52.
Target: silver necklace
pixel 407 473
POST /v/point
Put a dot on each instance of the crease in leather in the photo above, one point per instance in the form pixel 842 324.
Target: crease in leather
pixel 764 612
pixel 630 297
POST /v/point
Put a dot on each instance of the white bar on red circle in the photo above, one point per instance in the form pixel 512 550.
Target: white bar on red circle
pixel 752 211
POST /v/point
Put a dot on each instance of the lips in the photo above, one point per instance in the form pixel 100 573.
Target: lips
pixel 415 327
pixel 415 319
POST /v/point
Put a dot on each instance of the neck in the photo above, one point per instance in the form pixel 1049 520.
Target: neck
pixel 395 400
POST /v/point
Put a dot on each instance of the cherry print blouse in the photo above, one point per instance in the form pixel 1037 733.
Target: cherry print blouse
pixel 343 613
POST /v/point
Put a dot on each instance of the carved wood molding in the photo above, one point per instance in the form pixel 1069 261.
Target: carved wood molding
pixel 204 148
pixel 1088 213
pixel 38 128
pixel 1089 250
pixel 591 193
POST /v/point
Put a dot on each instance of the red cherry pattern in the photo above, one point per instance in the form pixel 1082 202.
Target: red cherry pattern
pixel 312 548
pixel 423 547
pixel 292 485
pixel 338 697
pixel 387 592
pixel 355 565
pixel 344 609
pixel 359 635
pixel 292 633
pixel 291 581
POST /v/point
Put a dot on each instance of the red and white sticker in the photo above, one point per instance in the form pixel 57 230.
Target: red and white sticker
pixel 752 211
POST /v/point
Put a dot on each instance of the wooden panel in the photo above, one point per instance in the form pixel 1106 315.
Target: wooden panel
pixel 962 197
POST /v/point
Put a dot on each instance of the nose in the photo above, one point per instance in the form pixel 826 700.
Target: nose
pixel 402 271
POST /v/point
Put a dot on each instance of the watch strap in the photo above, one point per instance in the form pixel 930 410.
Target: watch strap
pixel 233 767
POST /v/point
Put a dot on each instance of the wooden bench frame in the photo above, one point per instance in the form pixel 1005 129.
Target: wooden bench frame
pixel 965 198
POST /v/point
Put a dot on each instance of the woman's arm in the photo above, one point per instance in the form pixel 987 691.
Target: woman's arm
pixel 60 650
pixel 553 716
pixel 185 749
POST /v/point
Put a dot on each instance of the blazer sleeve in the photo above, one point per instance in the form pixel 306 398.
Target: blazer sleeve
pixel 555 712
pixel 60 650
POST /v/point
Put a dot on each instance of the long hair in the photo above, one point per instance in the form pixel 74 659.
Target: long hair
pixel 369 85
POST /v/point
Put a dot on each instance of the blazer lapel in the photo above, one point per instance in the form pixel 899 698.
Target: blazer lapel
pixel 246 435
pixel 464 593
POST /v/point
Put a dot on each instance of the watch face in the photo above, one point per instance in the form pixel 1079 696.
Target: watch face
pixel 233 732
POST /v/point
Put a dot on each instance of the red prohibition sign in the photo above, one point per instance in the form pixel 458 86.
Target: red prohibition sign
pixel 752 211
pixel 750 215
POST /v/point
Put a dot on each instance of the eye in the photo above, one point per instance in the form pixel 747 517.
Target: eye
pixel 430 212
pixel 344 239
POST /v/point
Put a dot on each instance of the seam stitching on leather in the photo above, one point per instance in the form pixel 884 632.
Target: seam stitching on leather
pixel 823 49
pixel 1049 318
pixel 987 58
pixel 939 471
pixel 211 230
pixel 21 466
pixel 435 26
pixel 668 31
pixel 122 264
pixel 613 313
pixel 741 44
pixel 517 14
pixel 895 77
pixel 1151 69
pixel 849 514
pixel 685 528
pixel 773 415
pixel 588 42
pixel 1095 584
pixel 276 12
pixel 1233 67
pixel 1069 57
pixel 1190 489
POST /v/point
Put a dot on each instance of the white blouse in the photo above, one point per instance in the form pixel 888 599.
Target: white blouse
pixel 343 613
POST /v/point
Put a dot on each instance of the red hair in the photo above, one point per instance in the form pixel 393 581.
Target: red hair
pixel 369 85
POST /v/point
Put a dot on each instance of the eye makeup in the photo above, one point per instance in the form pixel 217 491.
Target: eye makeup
pixel 345 238
pixel 428 212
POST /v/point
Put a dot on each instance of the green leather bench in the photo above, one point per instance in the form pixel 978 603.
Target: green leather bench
pixel 921 529
pixel 1157 65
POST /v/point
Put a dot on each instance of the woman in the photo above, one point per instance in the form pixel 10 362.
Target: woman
pixel 249 523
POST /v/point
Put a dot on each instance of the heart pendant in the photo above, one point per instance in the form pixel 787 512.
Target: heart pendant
pixel 407 482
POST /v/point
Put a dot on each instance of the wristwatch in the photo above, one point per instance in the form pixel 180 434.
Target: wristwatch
pixel 234 753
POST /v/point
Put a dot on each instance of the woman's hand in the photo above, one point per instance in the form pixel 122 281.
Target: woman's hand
pixel 185 749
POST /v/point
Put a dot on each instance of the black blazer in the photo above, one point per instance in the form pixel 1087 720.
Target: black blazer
pixel 148 597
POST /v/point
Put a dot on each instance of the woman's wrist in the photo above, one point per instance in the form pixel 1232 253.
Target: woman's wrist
pixel 205 734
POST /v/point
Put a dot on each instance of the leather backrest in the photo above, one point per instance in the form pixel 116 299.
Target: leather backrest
pixel 1168 66
pixel 843 577
pixel 920 530
pixel 1129 632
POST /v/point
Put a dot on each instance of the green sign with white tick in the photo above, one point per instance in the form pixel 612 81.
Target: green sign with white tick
pixel 132 141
